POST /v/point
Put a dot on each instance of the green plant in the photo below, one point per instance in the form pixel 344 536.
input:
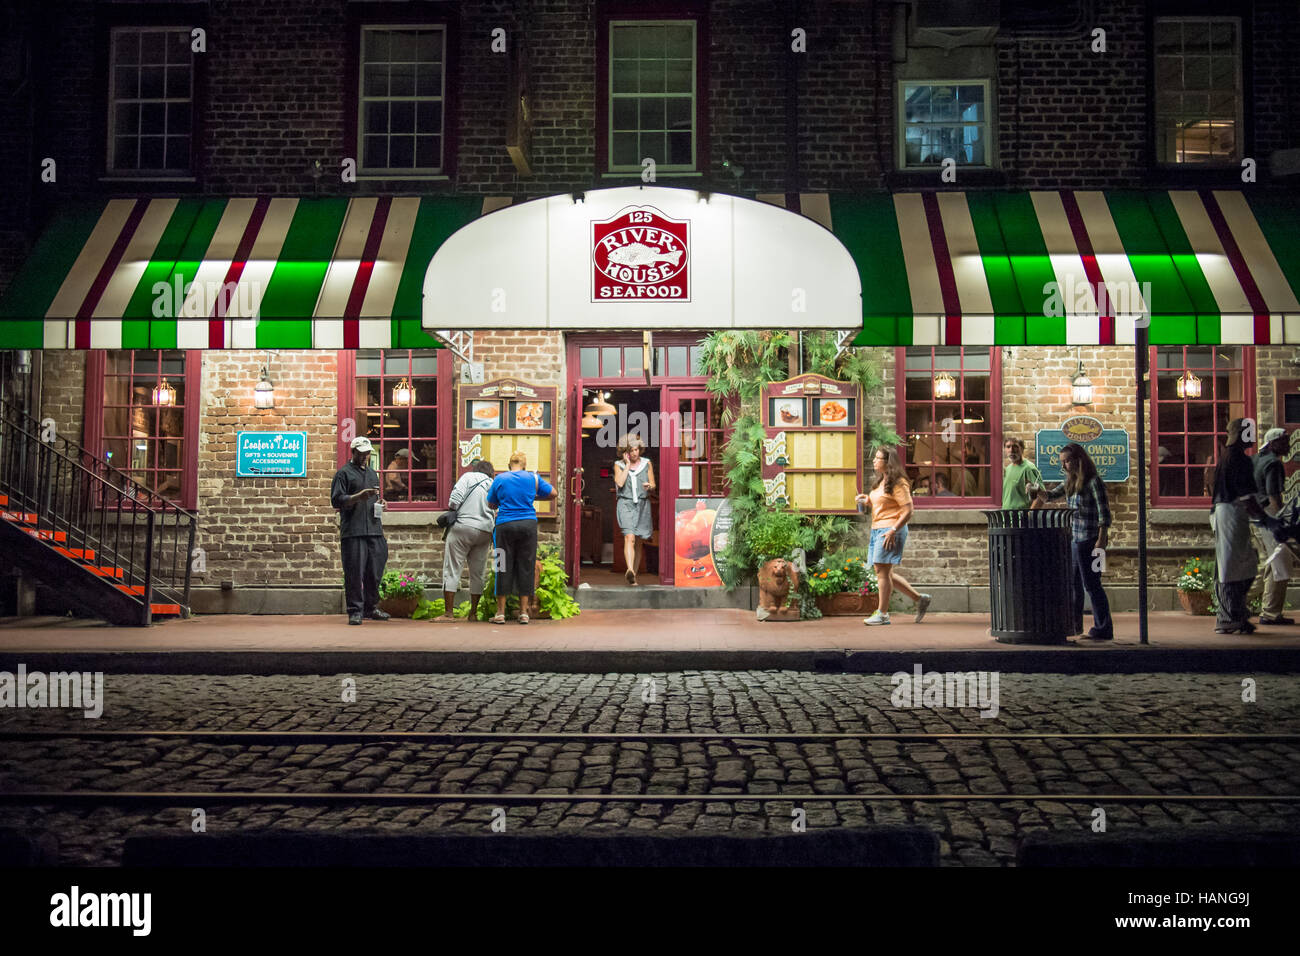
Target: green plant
pixel 1196 576
pixel 552 594
pixel 841 572
pixel 773 534
pixel 402 584
pixel 427 609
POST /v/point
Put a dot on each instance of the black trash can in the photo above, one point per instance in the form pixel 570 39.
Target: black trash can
pixel 1029 575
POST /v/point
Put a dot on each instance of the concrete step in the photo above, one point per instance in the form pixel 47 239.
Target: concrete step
pixel 647 596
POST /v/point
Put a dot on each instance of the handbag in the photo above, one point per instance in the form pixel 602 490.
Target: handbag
pixel 452 515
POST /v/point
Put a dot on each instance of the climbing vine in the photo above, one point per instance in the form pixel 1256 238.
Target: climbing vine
pixel 739 364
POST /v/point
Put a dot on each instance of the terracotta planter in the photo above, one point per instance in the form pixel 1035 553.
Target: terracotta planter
pixel 399 606
pixel 1195 602
pixel 847 604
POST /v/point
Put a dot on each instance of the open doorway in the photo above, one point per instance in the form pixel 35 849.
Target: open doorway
pixel 601 541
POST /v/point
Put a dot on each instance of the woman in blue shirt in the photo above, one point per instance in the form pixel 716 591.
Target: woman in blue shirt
pixel 514 539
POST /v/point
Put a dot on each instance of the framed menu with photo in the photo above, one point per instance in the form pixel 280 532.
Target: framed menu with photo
pixel 506 416
pixel 812 447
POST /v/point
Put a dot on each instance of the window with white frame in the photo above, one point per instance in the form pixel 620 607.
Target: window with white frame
pixel 945 121
pixel 1198 90
pixel 151 101
pixel 402 102
pixel 652 95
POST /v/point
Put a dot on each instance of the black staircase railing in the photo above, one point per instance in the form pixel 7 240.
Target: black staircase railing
pixel 77 501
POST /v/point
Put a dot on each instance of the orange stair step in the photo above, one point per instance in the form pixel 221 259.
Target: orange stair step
pixel 162 609
pixel 136 589
pixel 4 500
pixel 104 572
pixel 79 554
pixel 46 535
pixel 26 517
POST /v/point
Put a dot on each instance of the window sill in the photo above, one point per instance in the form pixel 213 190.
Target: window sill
pixel 404 177
pixel 148 179
pixel 967 176
pixel 940 516
pixel 636 174
pixel 1179 516
pixel 411 519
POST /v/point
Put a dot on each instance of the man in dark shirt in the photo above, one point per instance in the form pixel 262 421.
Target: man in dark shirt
pixel 354 494
pixel 1270 476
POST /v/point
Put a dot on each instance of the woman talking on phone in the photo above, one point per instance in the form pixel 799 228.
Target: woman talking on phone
pixel 889 502
pixel 634 477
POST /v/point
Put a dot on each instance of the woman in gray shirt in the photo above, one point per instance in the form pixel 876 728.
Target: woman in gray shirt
pixel 470 538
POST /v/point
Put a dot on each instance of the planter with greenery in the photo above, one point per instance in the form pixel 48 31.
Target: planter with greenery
pixel 400 592
pixel 1196 586
pixel 738 364
pixel 844 584
pixel 551 590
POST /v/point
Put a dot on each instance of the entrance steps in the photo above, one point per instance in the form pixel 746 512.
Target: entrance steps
pixel 658 596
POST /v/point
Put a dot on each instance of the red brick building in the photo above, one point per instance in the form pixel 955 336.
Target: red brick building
pixel 316 102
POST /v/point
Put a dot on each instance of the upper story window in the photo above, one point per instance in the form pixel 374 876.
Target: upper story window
pixel 1198 390
pixel 946 413
pixel 151 101
pixel 1198 109
pixel 402 99
pixel 944 121
pixel 652 97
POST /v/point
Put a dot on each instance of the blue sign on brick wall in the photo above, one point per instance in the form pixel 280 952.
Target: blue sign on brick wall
pixel 1107 447
pixel 271 454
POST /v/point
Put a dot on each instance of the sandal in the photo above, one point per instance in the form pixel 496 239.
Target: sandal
pixel 523 618
pixel 499 619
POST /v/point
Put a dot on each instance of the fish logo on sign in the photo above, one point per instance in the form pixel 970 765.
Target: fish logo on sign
pixel 640 254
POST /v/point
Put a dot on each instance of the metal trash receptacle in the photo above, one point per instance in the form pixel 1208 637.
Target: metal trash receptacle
pixel 1029 575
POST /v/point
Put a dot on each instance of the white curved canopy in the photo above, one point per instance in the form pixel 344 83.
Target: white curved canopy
pixel 683 262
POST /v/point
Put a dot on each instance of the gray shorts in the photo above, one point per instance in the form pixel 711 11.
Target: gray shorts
pixel 464 543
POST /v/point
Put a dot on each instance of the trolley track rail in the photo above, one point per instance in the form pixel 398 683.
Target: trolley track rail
pixel 408 736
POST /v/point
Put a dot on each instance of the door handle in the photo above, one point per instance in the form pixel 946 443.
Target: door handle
pixel 576 484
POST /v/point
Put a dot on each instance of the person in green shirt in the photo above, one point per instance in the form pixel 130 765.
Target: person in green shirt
pixel 1022 480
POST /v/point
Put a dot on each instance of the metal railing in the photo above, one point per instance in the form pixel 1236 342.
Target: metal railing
pixel 78 501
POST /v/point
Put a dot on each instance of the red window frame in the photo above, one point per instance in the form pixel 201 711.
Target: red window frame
pixel 1208 384
pixel 696 10
pixel 93 427
pixel 347 412
pixel 993 429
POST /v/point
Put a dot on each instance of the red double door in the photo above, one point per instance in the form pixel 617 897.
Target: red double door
pixel 688 450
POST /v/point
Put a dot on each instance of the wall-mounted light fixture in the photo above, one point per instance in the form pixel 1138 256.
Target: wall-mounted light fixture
pixel 1080 386
pixel 264 392
pixel 1189 386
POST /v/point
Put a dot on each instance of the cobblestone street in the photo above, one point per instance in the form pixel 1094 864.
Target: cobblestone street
pixel 974 832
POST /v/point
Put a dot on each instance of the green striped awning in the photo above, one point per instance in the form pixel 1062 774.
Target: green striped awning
pixel 232 273
pixel 1070 267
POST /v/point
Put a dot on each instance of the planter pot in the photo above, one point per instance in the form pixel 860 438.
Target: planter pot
pixel 399 606
pixel 847 604
pixel 1195 602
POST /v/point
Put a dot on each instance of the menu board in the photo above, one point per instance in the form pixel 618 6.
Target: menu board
pixel 812 446
pixel 499 418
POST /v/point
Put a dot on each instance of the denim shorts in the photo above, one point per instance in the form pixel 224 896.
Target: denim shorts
pixel 877 554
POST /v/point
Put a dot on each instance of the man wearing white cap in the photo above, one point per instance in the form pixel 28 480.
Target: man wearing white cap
pixel 1275 566
pixel 395 474
pixel 354 494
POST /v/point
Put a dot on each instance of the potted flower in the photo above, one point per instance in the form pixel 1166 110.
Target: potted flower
pixel 400 592
pixel 843 585
pixel 770 538
pixel 1196 586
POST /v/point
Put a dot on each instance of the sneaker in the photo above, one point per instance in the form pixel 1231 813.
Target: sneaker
pixel 378 615
pixel 876 618
pixel 1280 619
pixel 922 606
pixel 354 618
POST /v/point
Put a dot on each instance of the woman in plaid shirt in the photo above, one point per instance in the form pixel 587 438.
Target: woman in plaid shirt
pixel 1085 492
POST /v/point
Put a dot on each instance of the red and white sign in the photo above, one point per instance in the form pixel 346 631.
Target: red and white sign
pixel 640 254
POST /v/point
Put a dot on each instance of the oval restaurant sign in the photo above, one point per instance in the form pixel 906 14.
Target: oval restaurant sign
pixel 640 253
pixel 1108 448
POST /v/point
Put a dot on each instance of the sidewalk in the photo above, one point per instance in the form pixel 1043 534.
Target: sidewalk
pixel 620 641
